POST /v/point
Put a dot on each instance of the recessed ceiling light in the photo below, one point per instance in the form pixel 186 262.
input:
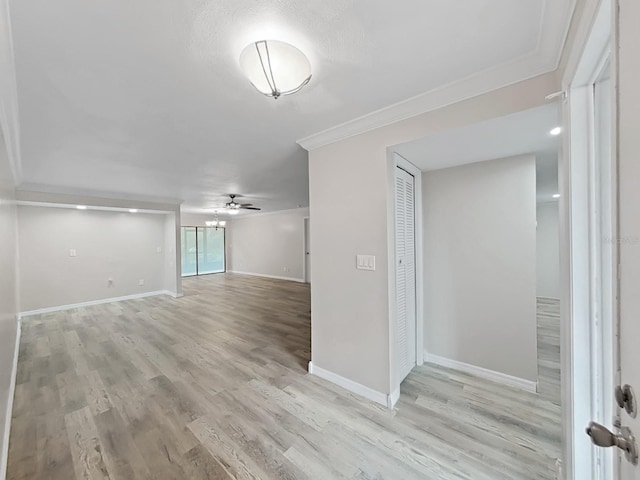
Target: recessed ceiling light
pixel 133 210
pixel 556 195
pixel 81 207
pixel 556 131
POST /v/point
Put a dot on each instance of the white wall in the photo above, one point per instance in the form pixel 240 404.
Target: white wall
pixel 8 296
pixel 548 250
pixel 480 265
pixel 269 244
pixel 118 245
pixel 351 195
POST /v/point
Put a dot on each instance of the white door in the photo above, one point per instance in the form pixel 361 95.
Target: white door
pixel 307 252
pixel 405 272
pixel 628 238
pixel 609 105
pixel 591 194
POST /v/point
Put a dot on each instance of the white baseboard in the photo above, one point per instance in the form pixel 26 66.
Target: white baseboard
pixel 354 387
pixel 4 455
pixel 480 372
pixel 173 294
pixel 95 302
pixel 276 277
pixel 393 398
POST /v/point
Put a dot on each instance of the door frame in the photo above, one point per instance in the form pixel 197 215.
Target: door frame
pixel 397 161
pixel 579 345
pixel 224 250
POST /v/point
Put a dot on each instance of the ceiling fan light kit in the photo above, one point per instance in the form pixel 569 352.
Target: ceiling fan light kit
pixel 216 223
pixel 275 68
pixel 233 207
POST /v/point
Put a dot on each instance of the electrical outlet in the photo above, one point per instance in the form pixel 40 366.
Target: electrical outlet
pixel 141 282
pixel 159 249
pixel 72 252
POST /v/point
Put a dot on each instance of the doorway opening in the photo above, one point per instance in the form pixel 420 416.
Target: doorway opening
pixel 489 328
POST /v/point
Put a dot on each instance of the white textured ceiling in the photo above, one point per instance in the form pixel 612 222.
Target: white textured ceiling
pixel 146 98
pixel 521 133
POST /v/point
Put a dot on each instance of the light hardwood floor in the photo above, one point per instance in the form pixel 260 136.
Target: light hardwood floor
pixel 549 348
pixel 214 386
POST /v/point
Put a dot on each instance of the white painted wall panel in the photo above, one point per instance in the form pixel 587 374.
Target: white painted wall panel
pixel 548 250
pixel 480 265
pixel 269 244
pixel 117 245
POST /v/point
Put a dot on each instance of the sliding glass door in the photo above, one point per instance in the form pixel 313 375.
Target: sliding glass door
pixel 202 251
pixel 189 249
pixel 210 250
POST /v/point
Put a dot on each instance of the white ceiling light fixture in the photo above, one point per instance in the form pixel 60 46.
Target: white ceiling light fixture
pixel 556 131
pixel 275 68
pixel 133 210
pixel 81 207
pixel 556 195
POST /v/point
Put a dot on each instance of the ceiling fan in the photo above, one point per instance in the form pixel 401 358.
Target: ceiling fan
pixel 234 207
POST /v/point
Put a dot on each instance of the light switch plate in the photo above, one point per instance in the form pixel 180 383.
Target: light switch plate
pixel 366 262
pixel 72 252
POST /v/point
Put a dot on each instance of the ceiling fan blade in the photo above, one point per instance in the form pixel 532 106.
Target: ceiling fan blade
pixel 251 208
pixel 246 204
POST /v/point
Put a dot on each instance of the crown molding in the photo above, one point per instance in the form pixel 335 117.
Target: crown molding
pixel 554 25
pixel 301 210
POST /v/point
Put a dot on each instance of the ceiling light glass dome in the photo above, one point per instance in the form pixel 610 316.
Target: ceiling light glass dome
pixel 275 68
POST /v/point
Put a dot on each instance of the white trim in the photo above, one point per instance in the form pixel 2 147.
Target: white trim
pixel 276 277
pixel 393 398
pixel 96 302
pixel 173 294
pixel 498 377
pixel 591 41
pixel 4 455
pixel 580 38
pixel 234 218
pixel 476 85
pixel 354 387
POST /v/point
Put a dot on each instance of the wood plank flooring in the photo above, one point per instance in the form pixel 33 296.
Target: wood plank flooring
pixel 214 386
pixel 549 348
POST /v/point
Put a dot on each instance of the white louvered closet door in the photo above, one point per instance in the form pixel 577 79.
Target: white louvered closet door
pixel 405 273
